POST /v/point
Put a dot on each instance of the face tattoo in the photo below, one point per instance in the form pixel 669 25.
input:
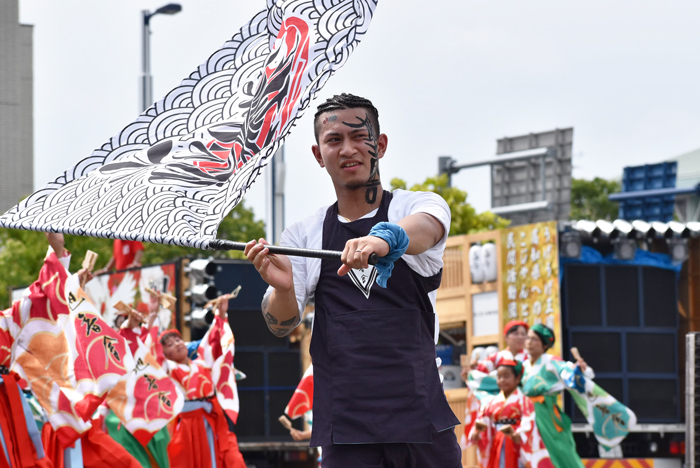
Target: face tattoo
pixel 371 141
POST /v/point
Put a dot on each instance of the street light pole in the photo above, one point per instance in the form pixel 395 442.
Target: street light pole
pixel 146 77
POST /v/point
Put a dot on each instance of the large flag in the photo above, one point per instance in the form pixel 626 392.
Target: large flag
pixel 171 175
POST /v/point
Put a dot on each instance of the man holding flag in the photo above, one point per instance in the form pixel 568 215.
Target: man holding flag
pixel 378 400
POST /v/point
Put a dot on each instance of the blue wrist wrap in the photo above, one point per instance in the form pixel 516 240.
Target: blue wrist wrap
pixel 396 237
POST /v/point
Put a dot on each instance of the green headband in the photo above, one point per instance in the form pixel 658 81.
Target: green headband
pixel 546 335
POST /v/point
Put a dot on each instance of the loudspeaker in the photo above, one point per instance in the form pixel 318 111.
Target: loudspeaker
pixel 624 321
pixel 583 292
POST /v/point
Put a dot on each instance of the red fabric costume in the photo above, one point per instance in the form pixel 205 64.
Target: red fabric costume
pixel 189 446
pixel 124 253
pixel 20 448
pixel 518 412
pixel 99 450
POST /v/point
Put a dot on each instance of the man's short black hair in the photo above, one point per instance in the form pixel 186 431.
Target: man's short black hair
pixel 347 101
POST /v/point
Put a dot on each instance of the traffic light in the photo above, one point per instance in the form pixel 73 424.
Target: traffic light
pixel 201 290
pixel 201 274
pixel 200 318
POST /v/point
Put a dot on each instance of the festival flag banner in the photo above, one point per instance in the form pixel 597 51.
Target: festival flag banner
pixel 611 420
pixel 171 175
pixel 145 399
pixel 71 362
pixel 530 265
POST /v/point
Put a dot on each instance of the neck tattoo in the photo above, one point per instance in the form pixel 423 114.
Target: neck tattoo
pixel 371 141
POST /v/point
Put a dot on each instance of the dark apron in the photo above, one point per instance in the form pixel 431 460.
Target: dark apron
pixel 375 377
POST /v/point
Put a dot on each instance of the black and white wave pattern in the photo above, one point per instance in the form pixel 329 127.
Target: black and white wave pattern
pixel 173 174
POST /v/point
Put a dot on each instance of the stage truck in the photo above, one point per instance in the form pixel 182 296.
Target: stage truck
pixel 628 297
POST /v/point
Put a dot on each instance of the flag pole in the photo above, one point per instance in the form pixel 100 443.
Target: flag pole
pixel 223 244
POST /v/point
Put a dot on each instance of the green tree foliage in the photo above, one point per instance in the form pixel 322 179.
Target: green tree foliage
pixel 22 252
pixel 465 219
pixel 589 199
pixel 21 256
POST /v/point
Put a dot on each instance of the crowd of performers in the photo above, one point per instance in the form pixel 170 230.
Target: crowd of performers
pixel 79 392
pixel 513 415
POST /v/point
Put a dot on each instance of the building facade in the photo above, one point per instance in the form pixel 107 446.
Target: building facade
pixel 16 107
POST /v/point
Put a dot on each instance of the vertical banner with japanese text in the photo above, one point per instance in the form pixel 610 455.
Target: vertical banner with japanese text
pixel 531 276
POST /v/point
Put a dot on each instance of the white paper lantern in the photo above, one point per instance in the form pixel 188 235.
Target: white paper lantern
pixel 490 351
pixel 488 252
pixel 476 264
pixel 477 354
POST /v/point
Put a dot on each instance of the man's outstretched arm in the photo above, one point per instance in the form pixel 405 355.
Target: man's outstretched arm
pixel 423 230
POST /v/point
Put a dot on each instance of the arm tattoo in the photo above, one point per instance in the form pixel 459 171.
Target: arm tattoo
pixel 279 329
pixel 291 322
pixel 371 141
pixel 270 319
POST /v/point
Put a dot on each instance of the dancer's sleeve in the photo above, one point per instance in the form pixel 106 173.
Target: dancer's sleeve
pixel 217 340
pixel 527 420
pixel 487 365
pixel 47 294
pixel 483 417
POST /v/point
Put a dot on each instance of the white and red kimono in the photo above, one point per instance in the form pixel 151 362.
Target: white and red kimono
pixel 72 360
pixel 517 411
pixel 20 436
pixel 200 434
pixel 482 386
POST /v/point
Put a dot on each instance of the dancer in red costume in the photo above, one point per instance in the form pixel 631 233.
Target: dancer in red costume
pixel 200 434
pixel 515 333
pixel 21 440
pixel 480 378
pixel 45 302
pixel 506 423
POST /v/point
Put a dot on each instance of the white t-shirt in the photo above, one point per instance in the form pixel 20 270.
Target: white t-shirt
pixel 308 234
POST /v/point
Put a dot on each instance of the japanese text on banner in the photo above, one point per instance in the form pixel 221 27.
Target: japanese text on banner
pixel 531 276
